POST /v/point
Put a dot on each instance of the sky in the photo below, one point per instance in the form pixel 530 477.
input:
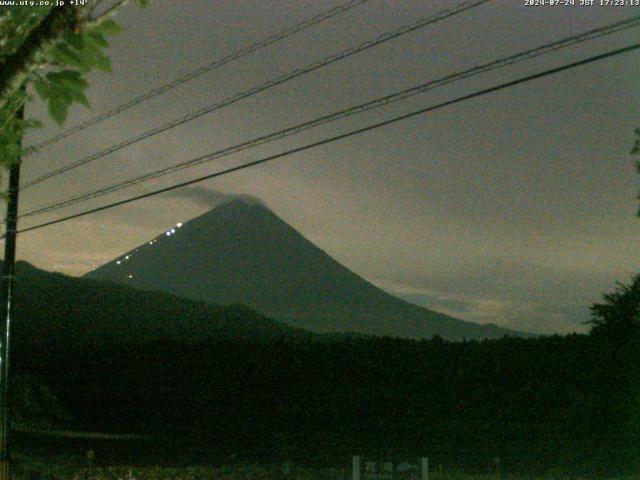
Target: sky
pixel 517 207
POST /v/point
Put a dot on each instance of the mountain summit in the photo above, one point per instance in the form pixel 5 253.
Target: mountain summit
pixel 241 252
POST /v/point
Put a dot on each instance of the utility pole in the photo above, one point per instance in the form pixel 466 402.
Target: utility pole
pixel 6 305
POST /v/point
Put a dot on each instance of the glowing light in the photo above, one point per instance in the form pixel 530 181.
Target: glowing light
pixel 168 234
pixel 127 257
pixel 173 230
pixel 150 243
pixel 130 276
pixel 179 225
pixel 119 262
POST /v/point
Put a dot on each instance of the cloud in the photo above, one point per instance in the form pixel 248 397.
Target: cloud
pixel 537 314
pixel 210 198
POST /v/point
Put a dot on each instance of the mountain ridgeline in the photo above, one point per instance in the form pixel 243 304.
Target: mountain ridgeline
pixel 241 252
pixel 58 314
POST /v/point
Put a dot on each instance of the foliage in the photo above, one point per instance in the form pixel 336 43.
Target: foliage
pixel 619 315
pixel 616 327
pixel 34 406
pixel 52 48
pixel 636 146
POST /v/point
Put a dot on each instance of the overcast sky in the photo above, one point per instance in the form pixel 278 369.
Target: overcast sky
pixel 516 208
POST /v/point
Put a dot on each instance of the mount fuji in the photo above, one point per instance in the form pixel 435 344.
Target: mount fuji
pixel 241 252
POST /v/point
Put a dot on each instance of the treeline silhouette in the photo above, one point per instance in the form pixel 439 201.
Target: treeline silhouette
pixel 535 403
pixel 555 403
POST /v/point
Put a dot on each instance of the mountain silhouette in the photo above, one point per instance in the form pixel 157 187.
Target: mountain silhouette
pixel 241 252
pixel 56 313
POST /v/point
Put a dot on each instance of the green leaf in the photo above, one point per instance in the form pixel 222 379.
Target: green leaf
pixel 71 79
pixel 102 62
pixel 71 75
pixel 81 98
pixel 95 57
pixel 58 110
pixel 143 3
pixel 60 91
pixel 108 27
pixel 87 56
pixel 73 39
pixel 70 56
pixel 96 39
pixel 42 88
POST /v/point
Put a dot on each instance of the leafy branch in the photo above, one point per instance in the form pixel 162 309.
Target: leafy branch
pixel 66 42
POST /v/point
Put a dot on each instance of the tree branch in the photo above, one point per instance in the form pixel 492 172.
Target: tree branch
pixel 109 11
pixel 16 25
pixel 15 69
pixel 88 11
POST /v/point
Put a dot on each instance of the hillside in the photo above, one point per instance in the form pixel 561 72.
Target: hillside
pixel 57 312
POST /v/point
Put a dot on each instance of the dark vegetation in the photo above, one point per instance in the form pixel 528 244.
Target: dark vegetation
pixel 59 313
pixel 262 391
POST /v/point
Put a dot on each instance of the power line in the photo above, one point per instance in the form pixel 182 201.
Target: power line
pixel 377 103
pixel 298 72
pixel 342 136
pixel 321 17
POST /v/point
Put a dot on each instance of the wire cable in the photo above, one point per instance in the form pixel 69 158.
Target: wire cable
pixel 358 109
pixel 321 17
pixel 298 72
pixel 342 136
